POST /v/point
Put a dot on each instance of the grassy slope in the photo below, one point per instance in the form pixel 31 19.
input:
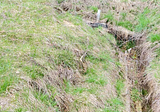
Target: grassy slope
pixel 35 42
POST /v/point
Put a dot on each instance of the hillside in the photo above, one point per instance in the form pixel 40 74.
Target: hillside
pixel 51 60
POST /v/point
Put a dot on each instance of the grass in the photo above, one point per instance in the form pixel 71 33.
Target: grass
pixel 6 81
pixel 155 68
pixel 143 20
pixel 135 95
pixel 109 16
pixel 65 57
pixel 127 24
pixel 95 9
pixel 34 41
pixel 114 105
pixel 94 77
pixel 19 110
pixel 60 1
pixel 119 86
pixel 45 99
pixel 7 71
pixel 154 37
pixel 79 90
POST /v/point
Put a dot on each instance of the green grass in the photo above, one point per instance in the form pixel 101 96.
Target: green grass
pixel 65 57
pixel 45 99
pixel 30 32
pixel 95 77
pixel 154 37
pixel 114 105
pixel 6 81
pixel 109 16
pixel 27 34
pixel 79 90
pixel 119 86
pixel 95 9
pixel 127 24
pixel 33 71
pixel 60 1
pixel 155 65
pixel 135 95
pixel 7 71
pixel 143 20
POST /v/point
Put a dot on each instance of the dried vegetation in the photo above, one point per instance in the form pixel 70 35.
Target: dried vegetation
pixel 61 64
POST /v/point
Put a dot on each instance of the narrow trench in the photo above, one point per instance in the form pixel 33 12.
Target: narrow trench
pixel 134 60
pixel 140 88
pixel 134 73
